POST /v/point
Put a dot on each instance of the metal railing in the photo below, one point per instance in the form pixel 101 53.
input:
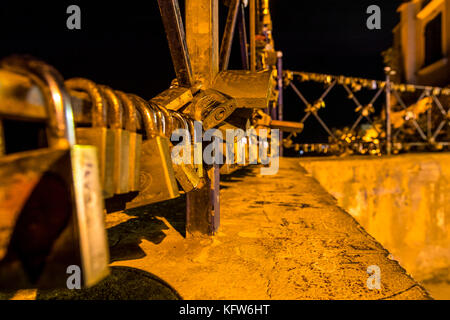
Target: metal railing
pixel 411 116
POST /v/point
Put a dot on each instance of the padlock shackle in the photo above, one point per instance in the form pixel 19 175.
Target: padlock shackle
pixel 114 107
pixel 147 105
pixel 148 116
pixel 57 100
pixel 129 111
pixel 181 120
pixel 191 128
pixel 98 109
pixel 161 119
pixel 168 120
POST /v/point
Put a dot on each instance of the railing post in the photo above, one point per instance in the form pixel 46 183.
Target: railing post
pixel 388 111
pixel 252 35
pixel 202 36
pixel 280 94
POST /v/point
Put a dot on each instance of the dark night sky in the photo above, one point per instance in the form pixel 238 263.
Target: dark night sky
pixel 122 44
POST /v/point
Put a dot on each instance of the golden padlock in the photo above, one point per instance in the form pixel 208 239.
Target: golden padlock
pixel 121 142
pixel 135 140
pixel 185 173
pixel 157 179
pixel 197 150
pixel 99 135
pixel 51 206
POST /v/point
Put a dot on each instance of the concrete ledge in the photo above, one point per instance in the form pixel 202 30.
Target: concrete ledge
pixel 282 237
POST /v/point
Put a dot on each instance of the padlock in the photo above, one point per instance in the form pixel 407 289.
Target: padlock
pixel 51 206
pixel 99 135
pixel 197 152
pixel 186 174
pixel 135 140
pixel 121 141
pixel 157 178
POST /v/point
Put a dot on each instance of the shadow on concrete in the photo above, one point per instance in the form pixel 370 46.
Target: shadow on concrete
pixel 124 238
pixel 124 283
pixel 237 176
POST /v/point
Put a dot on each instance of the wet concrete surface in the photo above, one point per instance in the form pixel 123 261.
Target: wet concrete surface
pixel 281 237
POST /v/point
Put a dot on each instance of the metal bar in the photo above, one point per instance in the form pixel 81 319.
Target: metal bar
pixel 357 122
pixel 429 124
pixel 376 96
pixel 273 112
pixel 299 93
pixel 215 197
pixel 252 35
pixel 388 114
pixel 202 33
pixel 173 25
pixel 323 125
pixel 438 130
pixel 399 99
pixel 280 94
pixel 287 126
pixel 228 35
pixel 380 83
pixel 429 114
pixel 439 104
pixel 280 84
pixel 416 125
pixel 243 37
pixel 202 36
pixel 305 117
pixel 327 91
pixel 350 92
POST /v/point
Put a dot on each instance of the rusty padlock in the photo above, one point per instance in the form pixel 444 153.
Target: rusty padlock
pixel 98 135
pixel 51 206
pixel 157 178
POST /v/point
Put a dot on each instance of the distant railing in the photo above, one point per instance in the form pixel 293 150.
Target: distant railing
pixel 412 117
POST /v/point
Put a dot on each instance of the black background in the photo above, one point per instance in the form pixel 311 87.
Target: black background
pixel 123 45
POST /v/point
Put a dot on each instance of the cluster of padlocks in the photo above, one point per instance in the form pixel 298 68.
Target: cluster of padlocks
pixel 99 143
pixel 71 151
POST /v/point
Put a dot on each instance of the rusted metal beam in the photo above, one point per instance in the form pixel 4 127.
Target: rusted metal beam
pixel 202 36
pixel 287 126
pixel 252 35
pixel 173 24
pixel 243 37
pixel 228 35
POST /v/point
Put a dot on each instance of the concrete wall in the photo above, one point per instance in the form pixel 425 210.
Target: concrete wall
pixel 402 201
